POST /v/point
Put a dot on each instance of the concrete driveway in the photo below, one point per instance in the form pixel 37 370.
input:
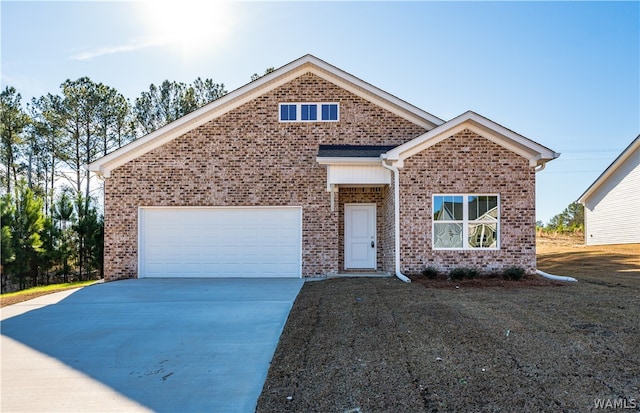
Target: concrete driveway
pixel 190 345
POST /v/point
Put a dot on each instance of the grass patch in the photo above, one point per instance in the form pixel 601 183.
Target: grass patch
pixel 30 293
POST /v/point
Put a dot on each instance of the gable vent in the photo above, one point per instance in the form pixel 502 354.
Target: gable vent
pixel 361 190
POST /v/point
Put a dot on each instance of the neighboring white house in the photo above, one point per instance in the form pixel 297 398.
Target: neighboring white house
pixel 612 202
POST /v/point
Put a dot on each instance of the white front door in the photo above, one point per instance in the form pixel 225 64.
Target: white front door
pixel 360 243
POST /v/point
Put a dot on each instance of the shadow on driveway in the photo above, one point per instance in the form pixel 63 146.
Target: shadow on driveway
pixel 166 345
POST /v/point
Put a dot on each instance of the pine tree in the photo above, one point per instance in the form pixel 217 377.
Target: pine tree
pixel 26 223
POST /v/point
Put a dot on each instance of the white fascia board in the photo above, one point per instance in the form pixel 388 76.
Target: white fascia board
pixel 377 96
pixel 250 91
pixel 213 110
pixel 347 161
pixel 542 152
pixel 611 169
pixel 500 139
pixel 422 142
pixel 147 143
pixel 496 133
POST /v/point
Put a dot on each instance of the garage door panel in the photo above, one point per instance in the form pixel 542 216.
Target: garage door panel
pixel 275 267
pixel 220 242
pixel 169 270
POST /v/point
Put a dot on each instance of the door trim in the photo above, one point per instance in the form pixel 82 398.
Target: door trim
pixel 373 261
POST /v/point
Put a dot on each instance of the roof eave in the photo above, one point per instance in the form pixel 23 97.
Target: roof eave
pixel 536 154
pixel 374 92
pixel 326 160
pixel 610 170
pixel 249 91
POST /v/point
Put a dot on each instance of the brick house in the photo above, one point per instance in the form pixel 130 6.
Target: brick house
pixel 310 171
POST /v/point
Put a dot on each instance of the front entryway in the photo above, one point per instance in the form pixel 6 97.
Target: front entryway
pixel 360 236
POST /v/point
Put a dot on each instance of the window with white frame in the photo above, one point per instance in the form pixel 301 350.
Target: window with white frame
pixel 288 112
pixel 309 112
pixel 466 221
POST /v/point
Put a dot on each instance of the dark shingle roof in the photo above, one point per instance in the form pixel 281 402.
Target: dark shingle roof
pixel 352 151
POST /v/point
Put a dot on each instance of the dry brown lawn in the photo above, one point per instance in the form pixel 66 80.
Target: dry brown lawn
pixel 25 295
pixel 598 263
pixel 10 300
pixel 380 345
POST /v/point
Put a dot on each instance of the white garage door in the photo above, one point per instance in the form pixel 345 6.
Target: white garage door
pixel 220 242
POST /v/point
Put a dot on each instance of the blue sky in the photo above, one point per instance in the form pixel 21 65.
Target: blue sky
pixel 565 74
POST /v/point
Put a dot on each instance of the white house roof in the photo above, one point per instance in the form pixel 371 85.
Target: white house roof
pixel 246 93
pixel 611 169
pixel 537 154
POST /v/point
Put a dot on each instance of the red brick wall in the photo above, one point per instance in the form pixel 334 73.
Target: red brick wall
pixel 246 157
pixel 463 164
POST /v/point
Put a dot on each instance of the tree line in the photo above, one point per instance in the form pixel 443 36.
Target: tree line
pixel 52 227
pixel 569 221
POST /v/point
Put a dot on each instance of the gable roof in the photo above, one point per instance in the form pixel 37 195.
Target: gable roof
pixel 611 169
pixel 250 91
pixel 537 154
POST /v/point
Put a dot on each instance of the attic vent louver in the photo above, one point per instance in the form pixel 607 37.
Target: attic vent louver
pixel 361 190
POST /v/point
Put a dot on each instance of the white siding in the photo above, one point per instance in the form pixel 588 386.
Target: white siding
pixel 612 212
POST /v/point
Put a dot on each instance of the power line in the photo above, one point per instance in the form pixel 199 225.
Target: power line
pixel 569 172
pixel 588 150
pixel 584 159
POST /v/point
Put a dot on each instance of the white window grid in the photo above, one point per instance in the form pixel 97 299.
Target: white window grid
pixel 465 222
pixel 318 105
